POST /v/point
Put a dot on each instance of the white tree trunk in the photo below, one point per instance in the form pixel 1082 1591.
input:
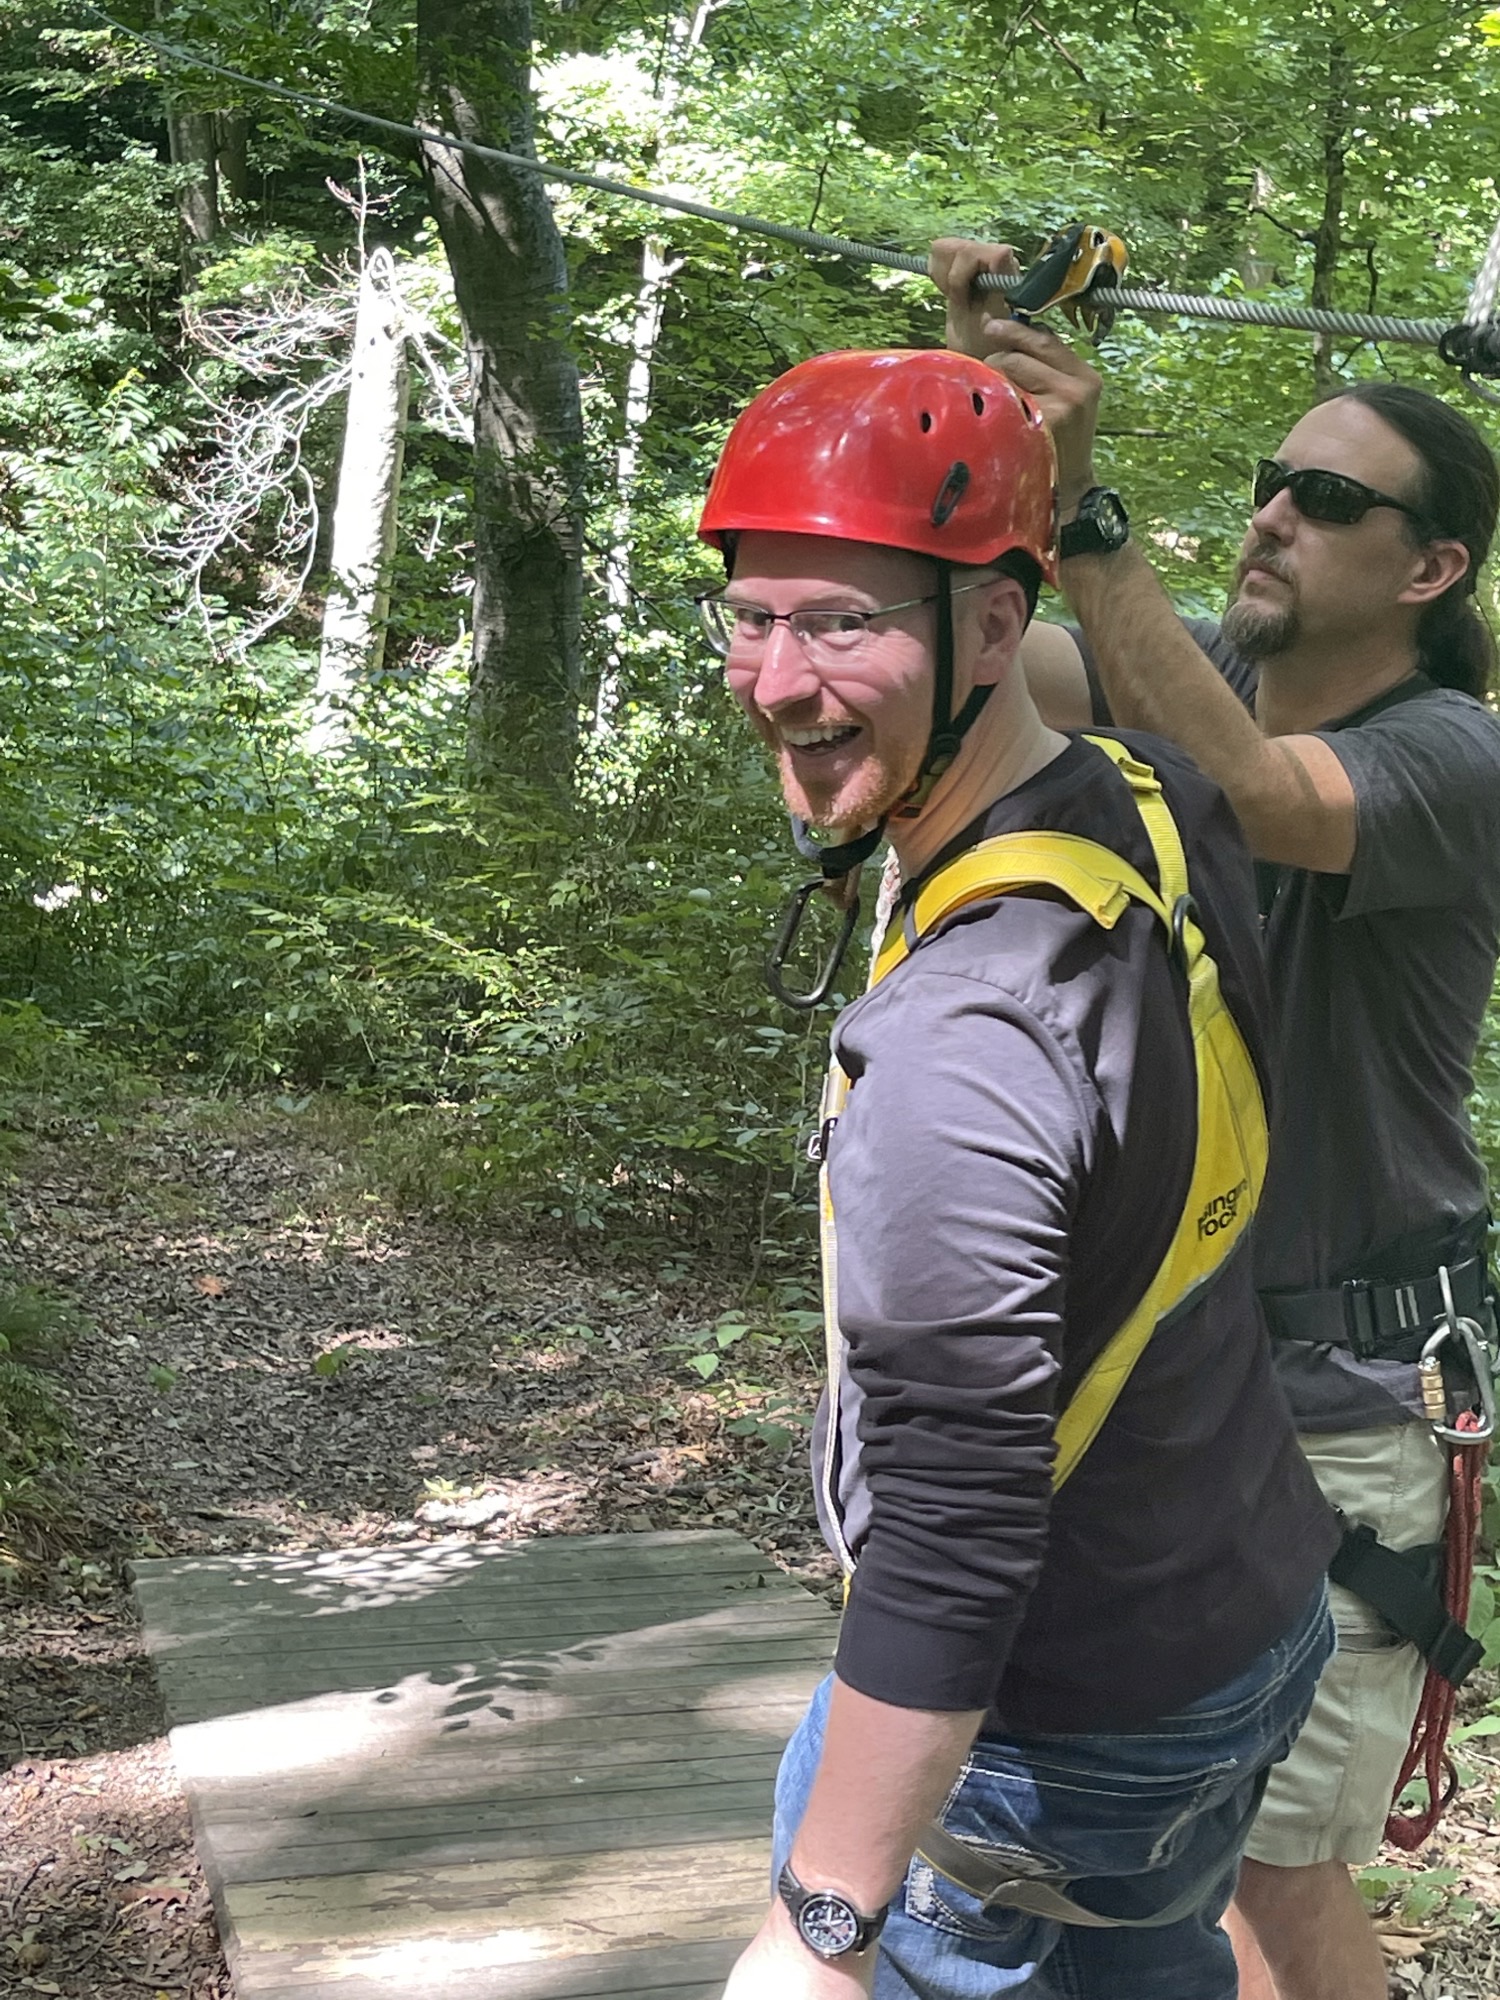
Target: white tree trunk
pixel 657 273
pixel 364 521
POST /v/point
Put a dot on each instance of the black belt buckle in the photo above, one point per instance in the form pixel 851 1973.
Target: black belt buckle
pixel 1359 1317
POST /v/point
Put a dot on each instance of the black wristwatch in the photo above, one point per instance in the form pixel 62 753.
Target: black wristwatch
pixel 827 1922
pixel 1100 526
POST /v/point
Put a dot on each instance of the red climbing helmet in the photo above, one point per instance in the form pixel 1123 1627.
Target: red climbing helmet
pixel 910 449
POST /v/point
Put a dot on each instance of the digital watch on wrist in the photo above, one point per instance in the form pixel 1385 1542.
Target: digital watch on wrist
pixel 1100 526
pixel 827 1922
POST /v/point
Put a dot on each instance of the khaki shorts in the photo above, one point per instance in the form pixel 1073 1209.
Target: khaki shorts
pixel 1329 1800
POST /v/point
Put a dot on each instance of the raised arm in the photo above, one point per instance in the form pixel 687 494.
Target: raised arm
pixel 1291 793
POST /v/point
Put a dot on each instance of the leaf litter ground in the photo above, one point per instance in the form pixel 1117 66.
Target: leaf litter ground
pixel 275 1360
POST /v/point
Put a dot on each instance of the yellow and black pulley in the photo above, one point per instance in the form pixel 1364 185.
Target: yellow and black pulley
pixel 1078 268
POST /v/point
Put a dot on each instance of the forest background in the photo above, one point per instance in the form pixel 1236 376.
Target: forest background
pixel 471 836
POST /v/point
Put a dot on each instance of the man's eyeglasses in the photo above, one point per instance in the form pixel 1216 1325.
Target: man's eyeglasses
pixel 748 626
pixel 1324 496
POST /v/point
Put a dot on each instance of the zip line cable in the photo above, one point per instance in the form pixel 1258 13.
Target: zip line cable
pixel 1181 305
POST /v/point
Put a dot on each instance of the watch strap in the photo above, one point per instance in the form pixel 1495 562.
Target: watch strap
pixel 1087 533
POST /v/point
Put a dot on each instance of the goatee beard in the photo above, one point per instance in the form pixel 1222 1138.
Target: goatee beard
pixel 1260 631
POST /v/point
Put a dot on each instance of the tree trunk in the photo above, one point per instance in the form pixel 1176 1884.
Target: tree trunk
pixel 1329 237
pixel 364 520
pixel 657 272
pixel 192 141
pixel 510 280
pixel 233 136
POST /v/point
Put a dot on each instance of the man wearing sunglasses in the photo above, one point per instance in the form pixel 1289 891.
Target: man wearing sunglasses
pixel 1339 705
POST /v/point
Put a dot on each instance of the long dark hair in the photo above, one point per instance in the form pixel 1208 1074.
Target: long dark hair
pixel 1459 496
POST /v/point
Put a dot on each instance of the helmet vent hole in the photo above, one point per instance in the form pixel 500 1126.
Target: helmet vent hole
pixel 978 402
pixel 927 420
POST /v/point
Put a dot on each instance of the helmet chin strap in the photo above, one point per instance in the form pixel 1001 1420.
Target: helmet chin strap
pixel 948 730
pixel 838 860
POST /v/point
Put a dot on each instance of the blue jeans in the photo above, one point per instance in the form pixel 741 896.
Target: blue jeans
pixel 1132 1820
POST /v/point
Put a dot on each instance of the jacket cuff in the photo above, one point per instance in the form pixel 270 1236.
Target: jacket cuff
pixel 914 1662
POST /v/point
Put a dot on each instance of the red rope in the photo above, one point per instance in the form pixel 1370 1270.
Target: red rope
pixel 1428 1749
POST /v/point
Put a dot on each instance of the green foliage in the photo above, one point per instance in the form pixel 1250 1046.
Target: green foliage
pixel 553 1006
pixel 36 1330
pixel 1414 1896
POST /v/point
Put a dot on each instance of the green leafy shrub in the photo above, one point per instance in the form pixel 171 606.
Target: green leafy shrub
pixel 36 1330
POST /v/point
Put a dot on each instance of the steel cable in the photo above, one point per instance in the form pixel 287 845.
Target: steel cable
pixel 1143 299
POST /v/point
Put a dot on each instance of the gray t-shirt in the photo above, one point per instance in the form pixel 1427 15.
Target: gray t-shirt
pixel 1379 983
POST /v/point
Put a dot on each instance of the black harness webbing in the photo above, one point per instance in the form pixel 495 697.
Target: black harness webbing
pixel 1384 1319
pixel 1375 1319
pixel 1403 1587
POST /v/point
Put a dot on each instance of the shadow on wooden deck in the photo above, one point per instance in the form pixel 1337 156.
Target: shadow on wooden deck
pixel 471 1771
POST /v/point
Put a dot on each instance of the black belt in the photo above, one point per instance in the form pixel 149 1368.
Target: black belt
pixel 1375 1319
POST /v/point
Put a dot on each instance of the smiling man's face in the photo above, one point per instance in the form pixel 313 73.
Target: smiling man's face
pixel 848 729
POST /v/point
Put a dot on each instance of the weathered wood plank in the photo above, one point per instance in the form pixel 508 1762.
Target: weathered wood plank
pixel 689 1618
pixel 492 1812
pixel 420 1565
pixel 548 1906
pixel 637 1693
pixel 392 1784
pixel 670 1972
pixel 566 1558
pixel 535 1771
pixel 403 1838
pixel 283 1619
pixel 758 1645
pixel 281 1627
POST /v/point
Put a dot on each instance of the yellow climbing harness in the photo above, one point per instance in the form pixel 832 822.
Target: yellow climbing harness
pixel 1229 1160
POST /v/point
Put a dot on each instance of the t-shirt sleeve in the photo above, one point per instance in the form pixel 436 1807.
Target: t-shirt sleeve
pixel 955 1173
pixel 1231 666
pixel 1426 778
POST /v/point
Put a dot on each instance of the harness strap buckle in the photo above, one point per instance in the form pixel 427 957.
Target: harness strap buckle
pixel 1360 1323
pixel 1184 912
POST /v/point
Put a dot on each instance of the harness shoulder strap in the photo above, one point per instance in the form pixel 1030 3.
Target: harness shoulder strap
pixel 1231 1142
pixel 1156 817
pixel 1101 883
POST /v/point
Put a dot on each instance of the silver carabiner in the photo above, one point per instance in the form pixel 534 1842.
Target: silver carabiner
pixel 1470 1335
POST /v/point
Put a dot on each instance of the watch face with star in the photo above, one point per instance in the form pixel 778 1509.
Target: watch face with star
pixel 828 1924
pixel 1110 517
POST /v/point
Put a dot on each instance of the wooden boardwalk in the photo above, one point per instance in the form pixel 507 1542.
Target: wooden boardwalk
pixel 473 1771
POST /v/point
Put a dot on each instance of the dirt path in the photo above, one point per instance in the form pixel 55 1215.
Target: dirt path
pixel 276 1361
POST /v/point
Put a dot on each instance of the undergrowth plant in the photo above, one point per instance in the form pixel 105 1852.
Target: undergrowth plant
pixel 36 1444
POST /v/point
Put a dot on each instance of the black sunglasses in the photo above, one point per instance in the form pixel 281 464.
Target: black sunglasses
pixel 1323 496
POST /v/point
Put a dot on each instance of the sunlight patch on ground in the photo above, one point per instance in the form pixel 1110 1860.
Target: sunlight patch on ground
pixel 414 1961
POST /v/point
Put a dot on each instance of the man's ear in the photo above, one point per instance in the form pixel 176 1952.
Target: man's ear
pixel 1443 565
pixel 1002 613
